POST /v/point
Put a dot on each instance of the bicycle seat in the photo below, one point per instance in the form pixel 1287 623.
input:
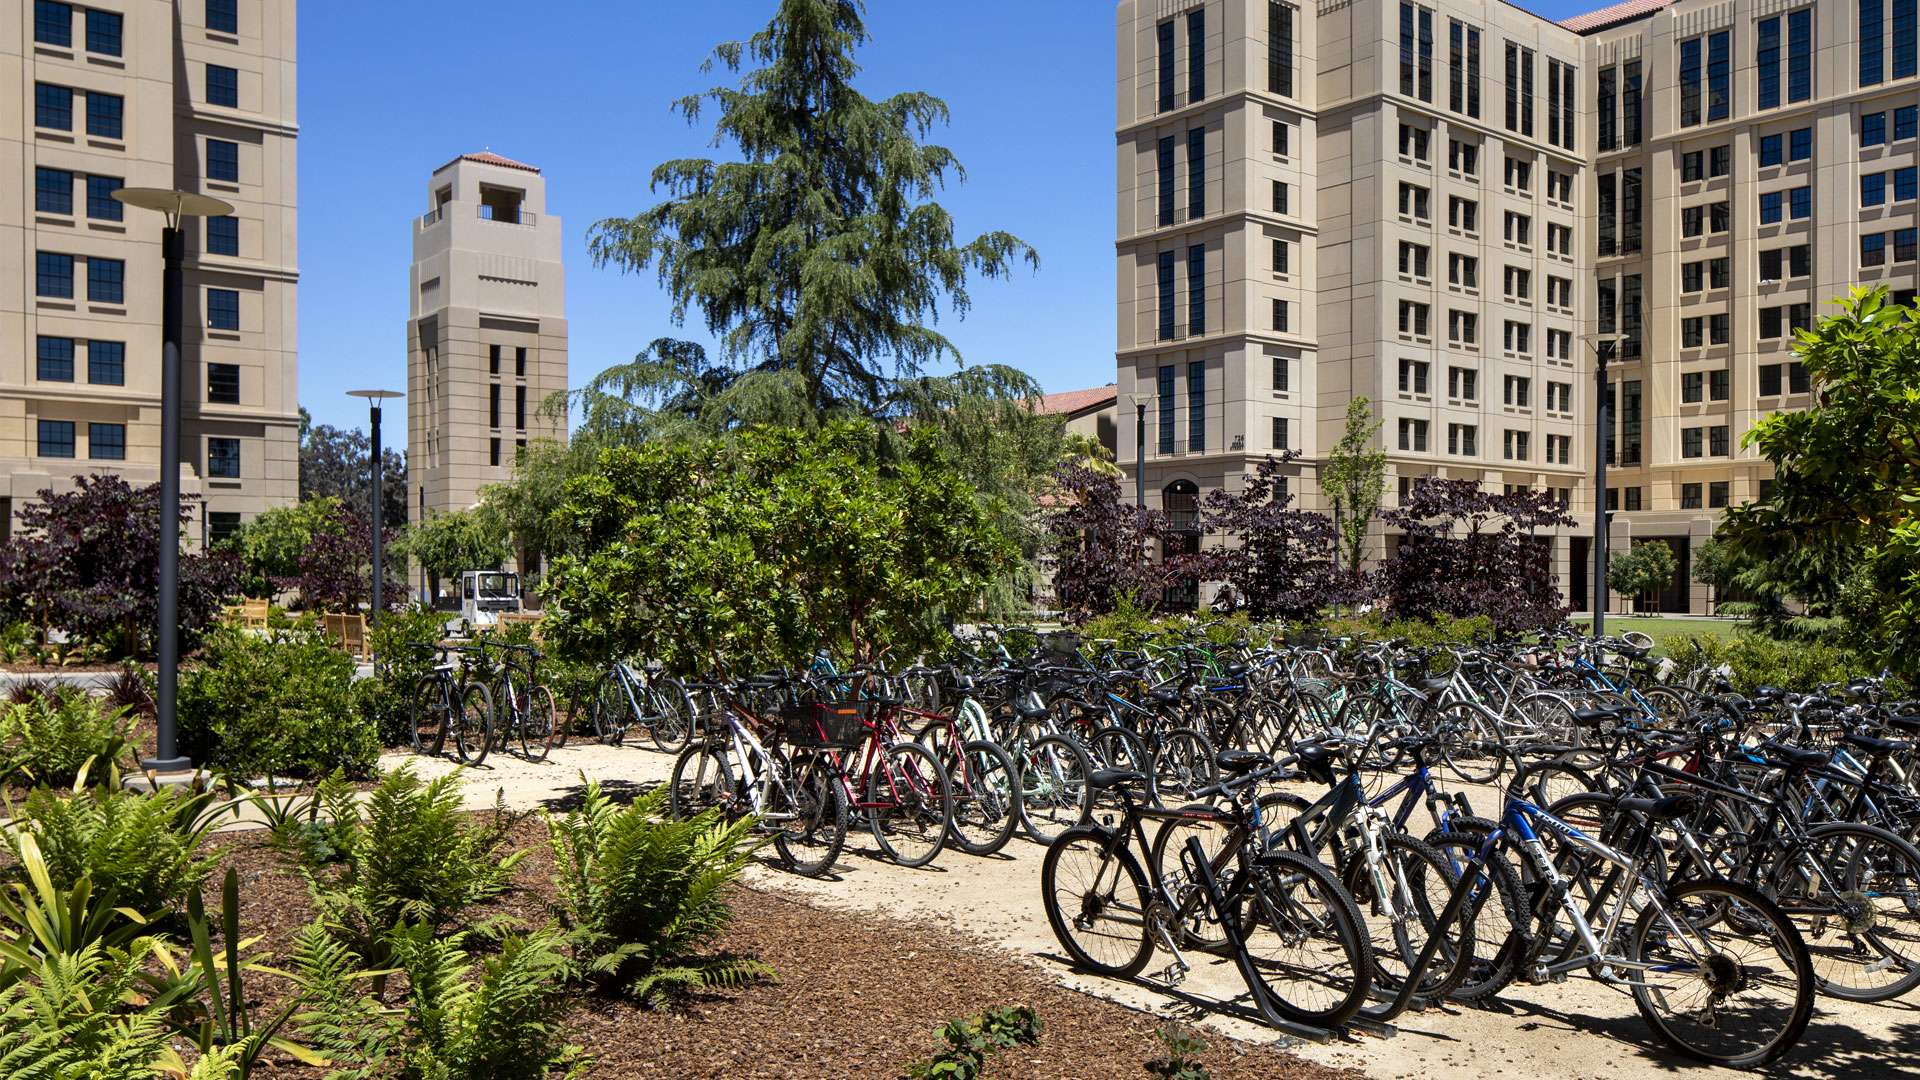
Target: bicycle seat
pixel 1109 778
pixel 1164 697
pixel 1316 761
pixel 1433 686
pixel 1877 747
pixel 1600 716
pixel 1241 762
pixel 1792 757
pixel 1666 809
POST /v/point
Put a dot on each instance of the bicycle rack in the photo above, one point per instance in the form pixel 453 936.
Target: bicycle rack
pixel 1203 872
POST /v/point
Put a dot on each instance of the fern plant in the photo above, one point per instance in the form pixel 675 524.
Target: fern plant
pixel 82 1014
pixel 643 895
pixel 49 733
pixel 143 848
pixel 506 1025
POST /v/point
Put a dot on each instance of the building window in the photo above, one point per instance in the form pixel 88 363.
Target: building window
pixel 52 191
pixel 53 275
pixel 55 360
pixel 1689 496
pixel 1800 203
pixel 1166 295
pixel 223 309
pixel 1282 320
pixel 1800 144
pixel 520 408
pixel 1165 393
pixel 1690 82
pixel 223 160
pixel 1463 384
pixel 1463 440
pixel 1413 435
pixel 1691 442
pixel 223 384
pixel 1196 173
pixel 1165 162
pixel 223 16
pixel 1770 380
pixel 106 281
pixel 1280 48
pixel 103 32
pixel 1519 89
pixel 52 107
pixel 1413 376
pixel 1773 150
pixel 1718 440
pixel 1166 56
pixel 101 205
pixel 1280 433
pixel 493 451
pixel 1872 42
pixel 223 236
pixel 1280 197
pixel 221 526
pixel 1196 54
pixel 223 86
pixel 107 363
pixel 1516 445
pixel 223 458
pixel 1196 290
pixel 493 405
pixel 56 438
pixel 1692 387
pixel 53 23
pixel 1282 374
pixel 1196 406
pixel 107 442
pixel 1280 258
pixel 1519 390
pixel 104 114
pixel 520 361
pixel 1904 25
pixel 1800 54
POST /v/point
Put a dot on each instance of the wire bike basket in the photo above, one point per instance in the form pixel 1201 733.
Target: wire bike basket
pixel 838 725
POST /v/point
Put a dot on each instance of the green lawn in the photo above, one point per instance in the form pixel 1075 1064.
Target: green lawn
pixel 1661 628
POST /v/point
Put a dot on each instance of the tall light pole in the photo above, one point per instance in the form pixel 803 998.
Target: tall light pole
pixel 1140 452
pixel 177 206
pixel 1603 428
pixel 374 398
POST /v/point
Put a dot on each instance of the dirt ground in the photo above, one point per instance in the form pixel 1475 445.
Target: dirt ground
pixel 1577 1028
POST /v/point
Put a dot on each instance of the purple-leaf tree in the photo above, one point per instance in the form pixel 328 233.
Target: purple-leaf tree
pixel 336 569
pixel 1466 551
pixel 1101 547
pixel 85 562
pixel 1280 565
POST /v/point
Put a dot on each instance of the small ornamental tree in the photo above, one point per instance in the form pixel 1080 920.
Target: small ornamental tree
pixel 336 569
pixel 85 561
pixel 444 545
pixel 1645 569
pixel 1281 564
pixel 761 548
pixel 1354 478
pixel 1465 552
pixel 271 544
pixel 1101 547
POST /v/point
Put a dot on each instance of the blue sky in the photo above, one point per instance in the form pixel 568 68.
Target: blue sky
pixel 582 89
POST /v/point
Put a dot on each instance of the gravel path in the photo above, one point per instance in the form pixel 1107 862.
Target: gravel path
pixel 1577 1028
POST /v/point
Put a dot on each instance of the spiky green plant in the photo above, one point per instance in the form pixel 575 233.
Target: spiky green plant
pixel 39 918
pixel 338 1020
pixel 83 1015
pixel 503 1026
pixel 142 847
pixel 642 895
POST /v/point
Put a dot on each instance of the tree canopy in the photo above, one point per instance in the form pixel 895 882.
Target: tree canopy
pixel 338 463
pixel 816 255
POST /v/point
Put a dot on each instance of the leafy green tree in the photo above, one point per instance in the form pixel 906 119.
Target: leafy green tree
pixel 1646 568
pixel 816 255
pixel 524 507
pixel 761 548
pixel 338 463
pixel 1833 551
pixel 446 544
pixel 271 544
pixel 1354 478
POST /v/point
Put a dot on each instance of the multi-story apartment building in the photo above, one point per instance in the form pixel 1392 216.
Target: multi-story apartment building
pixel 486 329
pixel 1455 208
pixel 197 96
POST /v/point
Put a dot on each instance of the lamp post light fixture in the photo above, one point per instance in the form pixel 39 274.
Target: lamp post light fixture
pixel 374 398
pixel 177 206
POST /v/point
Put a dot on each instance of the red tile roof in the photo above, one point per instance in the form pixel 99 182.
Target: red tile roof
pixel 1626 11
pixel 488 157
pixel 1068 402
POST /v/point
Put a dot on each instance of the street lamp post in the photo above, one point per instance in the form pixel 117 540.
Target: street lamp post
pixel 1140 453
pixel 177 206
pixel 1603 351
pixel 374 398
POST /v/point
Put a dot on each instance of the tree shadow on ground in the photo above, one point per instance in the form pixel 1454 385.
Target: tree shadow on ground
pixel 573 797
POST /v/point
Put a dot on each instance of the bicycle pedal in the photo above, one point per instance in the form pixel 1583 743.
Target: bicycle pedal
pixel 1173 975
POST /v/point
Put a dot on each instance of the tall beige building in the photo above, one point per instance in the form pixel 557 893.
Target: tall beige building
pixel 1453 208
pixel 486 330
pixel 148 93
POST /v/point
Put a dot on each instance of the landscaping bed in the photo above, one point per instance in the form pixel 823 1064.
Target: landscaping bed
pixel 854 994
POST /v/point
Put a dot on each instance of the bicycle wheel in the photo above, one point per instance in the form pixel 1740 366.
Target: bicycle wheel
pixel 1303 940
pixel 1183 765
pixel 1400 900
pixel 1165 861
pixel 1114 747
pixel 1492 913
pixel 427 716
pixel 1855 895
pixel 473 724
pixel 1054 793
pixel 537 726
pixel 1469 741
pixel 612 712
pixel 807 813
pixel 909 804
pixel 986 787
pixel 702 780
pixel 673 715
pixel 1096 899
pixel 1735 989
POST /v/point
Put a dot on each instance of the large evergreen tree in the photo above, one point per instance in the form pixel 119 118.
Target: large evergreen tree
pixel 817 257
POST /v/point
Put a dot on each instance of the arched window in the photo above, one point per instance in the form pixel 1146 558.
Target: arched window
pixel 1181 502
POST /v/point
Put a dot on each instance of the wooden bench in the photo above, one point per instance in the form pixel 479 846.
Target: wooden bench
pixel 250 614
pixel 349 629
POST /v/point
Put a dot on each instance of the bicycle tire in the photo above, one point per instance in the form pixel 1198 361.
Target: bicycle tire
pixel 812 845
pixel 536 728
pixel 1125 942
pixel 986 789
pixel 909 804
pixel 1476 754
pixel 702 780
pixel 675 718
pixel 1725 973
pixel 1421 881
pixel 1182 765
pixel 1494 916
pixel 1862 933
pixel 612 712
pixel 1054 793
pixel 428 712
pixel 1340 966
pixel 473 727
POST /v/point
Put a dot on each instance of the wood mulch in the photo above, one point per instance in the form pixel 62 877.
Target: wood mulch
pixel 854 995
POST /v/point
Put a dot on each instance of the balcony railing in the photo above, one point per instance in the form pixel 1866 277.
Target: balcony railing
pixel 525 218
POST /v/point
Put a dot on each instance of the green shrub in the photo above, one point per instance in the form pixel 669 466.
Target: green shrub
pixel 50 735
pixel 1754 660
pixel 140 849
pixel 972 1041
pixel 386 700
pixel 642 894
pixel 504 1026
pixel 64 1015
pixel 274 705
pixel 407 853
pixel 16 642
pixel 1182 1061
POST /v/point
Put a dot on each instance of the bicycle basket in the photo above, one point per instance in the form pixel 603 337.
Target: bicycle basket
pixel 829 726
